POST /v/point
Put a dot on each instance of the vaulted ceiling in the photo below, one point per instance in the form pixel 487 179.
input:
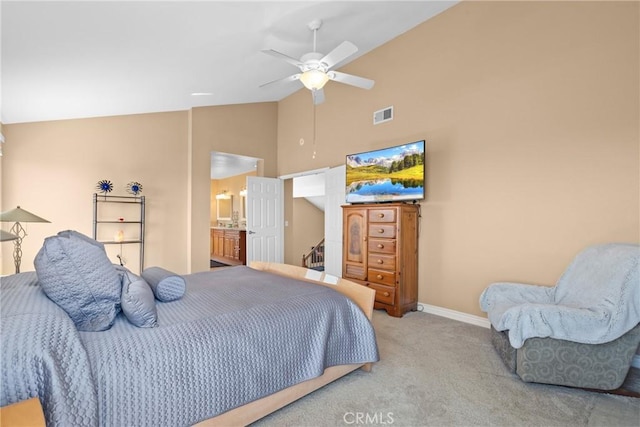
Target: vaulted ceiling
pixel 76 59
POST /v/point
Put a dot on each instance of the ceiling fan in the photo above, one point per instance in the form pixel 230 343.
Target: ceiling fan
pixel 316 68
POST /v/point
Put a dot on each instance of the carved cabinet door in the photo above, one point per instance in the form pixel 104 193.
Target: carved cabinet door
pixel 355 243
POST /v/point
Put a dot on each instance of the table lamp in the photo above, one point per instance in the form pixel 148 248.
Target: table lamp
pixel 17 216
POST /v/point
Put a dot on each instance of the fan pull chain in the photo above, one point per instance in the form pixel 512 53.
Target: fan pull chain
pixel 314 132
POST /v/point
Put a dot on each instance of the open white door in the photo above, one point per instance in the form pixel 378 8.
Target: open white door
pixel 265 219
pixel 334 199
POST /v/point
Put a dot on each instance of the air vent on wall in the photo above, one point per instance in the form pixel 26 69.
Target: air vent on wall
pixel 383 115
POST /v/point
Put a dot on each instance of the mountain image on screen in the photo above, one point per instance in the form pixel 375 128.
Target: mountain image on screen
pixel 387 175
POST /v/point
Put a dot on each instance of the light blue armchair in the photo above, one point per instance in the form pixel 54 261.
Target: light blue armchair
pixel 583 332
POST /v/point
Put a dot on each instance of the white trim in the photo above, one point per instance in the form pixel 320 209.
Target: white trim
pixel 455 315
pixel 479 321
pixel 297 174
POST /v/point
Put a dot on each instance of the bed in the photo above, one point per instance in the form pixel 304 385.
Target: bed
pixel 241 343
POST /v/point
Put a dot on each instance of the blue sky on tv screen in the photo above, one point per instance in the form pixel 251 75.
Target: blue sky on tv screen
pixel 390 152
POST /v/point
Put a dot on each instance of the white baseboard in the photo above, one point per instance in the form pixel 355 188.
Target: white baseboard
pixel 455 315
pixel 478 321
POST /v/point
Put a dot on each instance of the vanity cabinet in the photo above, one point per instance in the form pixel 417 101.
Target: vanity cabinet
pixel 228 245
pixel 380 251
pixel 217 242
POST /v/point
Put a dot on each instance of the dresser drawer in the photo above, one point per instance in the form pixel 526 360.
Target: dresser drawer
pixel 382 261
pixel 384 294
pixel 381 276
pixel 382 230
pixel 382 215
pixel 382 246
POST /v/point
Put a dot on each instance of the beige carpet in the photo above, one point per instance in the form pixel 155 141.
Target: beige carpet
pixel 439 372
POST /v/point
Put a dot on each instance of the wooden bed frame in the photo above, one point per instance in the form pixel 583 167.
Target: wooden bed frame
pixel 29 412
pixel 253 411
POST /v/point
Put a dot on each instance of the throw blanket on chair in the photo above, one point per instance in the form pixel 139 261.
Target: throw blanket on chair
pixel 596 300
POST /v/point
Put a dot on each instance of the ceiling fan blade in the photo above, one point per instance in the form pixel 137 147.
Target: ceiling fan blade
pixel 350 79
pixel 283 80
pixel 340 53
pixel 318 96
pixel 287 58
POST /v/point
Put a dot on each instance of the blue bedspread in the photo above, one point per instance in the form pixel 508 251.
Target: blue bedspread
pixel 42 355
pixel 237 335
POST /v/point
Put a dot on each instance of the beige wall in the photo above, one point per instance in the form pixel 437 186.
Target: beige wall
pixel 530 112
pixel 307 228
pixel 51 169
pixel 5 247
pixel 248 130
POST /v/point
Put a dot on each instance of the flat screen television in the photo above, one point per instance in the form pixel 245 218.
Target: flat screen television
pixel 387 175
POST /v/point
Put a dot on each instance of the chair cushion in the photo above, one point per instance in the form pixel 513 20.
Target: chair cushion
pixel 600 275
pixel 75 273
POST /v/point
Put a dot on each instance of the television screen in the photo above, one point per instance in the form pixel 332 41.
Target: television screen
pixel 387 175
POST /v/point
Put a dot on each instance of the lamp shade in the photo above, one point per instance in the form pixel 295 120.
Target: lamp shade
pixel 314 79
pixel 20 215
pixel 5 236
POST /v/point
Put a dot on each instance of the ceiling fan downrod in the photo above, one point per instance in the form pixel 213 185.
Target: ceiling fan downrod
pixel 315 26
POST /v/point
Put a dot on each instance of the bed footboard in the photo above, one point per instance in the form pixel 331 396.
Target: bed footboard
pixel 361 295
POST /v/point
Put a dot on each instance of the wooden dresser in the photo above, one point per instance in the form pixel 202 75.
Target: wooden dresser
pixel 380 250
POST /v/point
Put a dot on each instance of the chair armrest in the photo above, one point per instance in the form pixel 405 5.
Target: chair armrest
pixel 511 294
pixel 563 322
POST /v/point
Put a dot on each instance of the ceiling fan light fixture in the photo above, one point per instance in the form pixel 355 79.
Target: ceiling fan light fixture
pixel 314 79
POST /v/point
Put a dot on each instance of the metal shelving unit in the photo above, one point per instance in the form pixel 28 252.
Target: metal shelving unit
pixel 140 200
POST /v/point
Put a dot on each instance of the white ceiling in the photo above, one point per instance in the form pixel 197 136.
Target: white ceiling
pixel 224 165
pixel 74 59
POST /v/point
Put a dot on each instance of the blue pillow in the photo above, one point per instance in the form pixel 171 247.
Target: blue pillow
pixel 75 273
pixel 166 286
pixel 138 302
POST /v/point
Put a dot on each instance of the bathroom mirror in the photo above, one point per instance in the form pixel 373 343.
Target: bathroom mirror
pixel 243 208
pixel 225 207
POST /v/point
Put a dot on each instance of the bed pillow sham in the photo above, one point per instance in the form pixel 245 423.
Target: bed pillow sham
pixel 75 273
pixel 138 302
pixel 166 286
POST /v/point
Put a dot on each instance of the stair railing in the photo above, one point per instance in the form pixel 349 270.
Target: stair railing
pixel 315 258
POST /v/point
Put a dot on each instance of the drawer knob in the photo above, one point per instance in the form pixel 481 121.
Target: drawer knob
pixel 380 246
pixel 380 215
pixel 380 261
pixel 381 231
pixel 386 294
pixel 379 276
